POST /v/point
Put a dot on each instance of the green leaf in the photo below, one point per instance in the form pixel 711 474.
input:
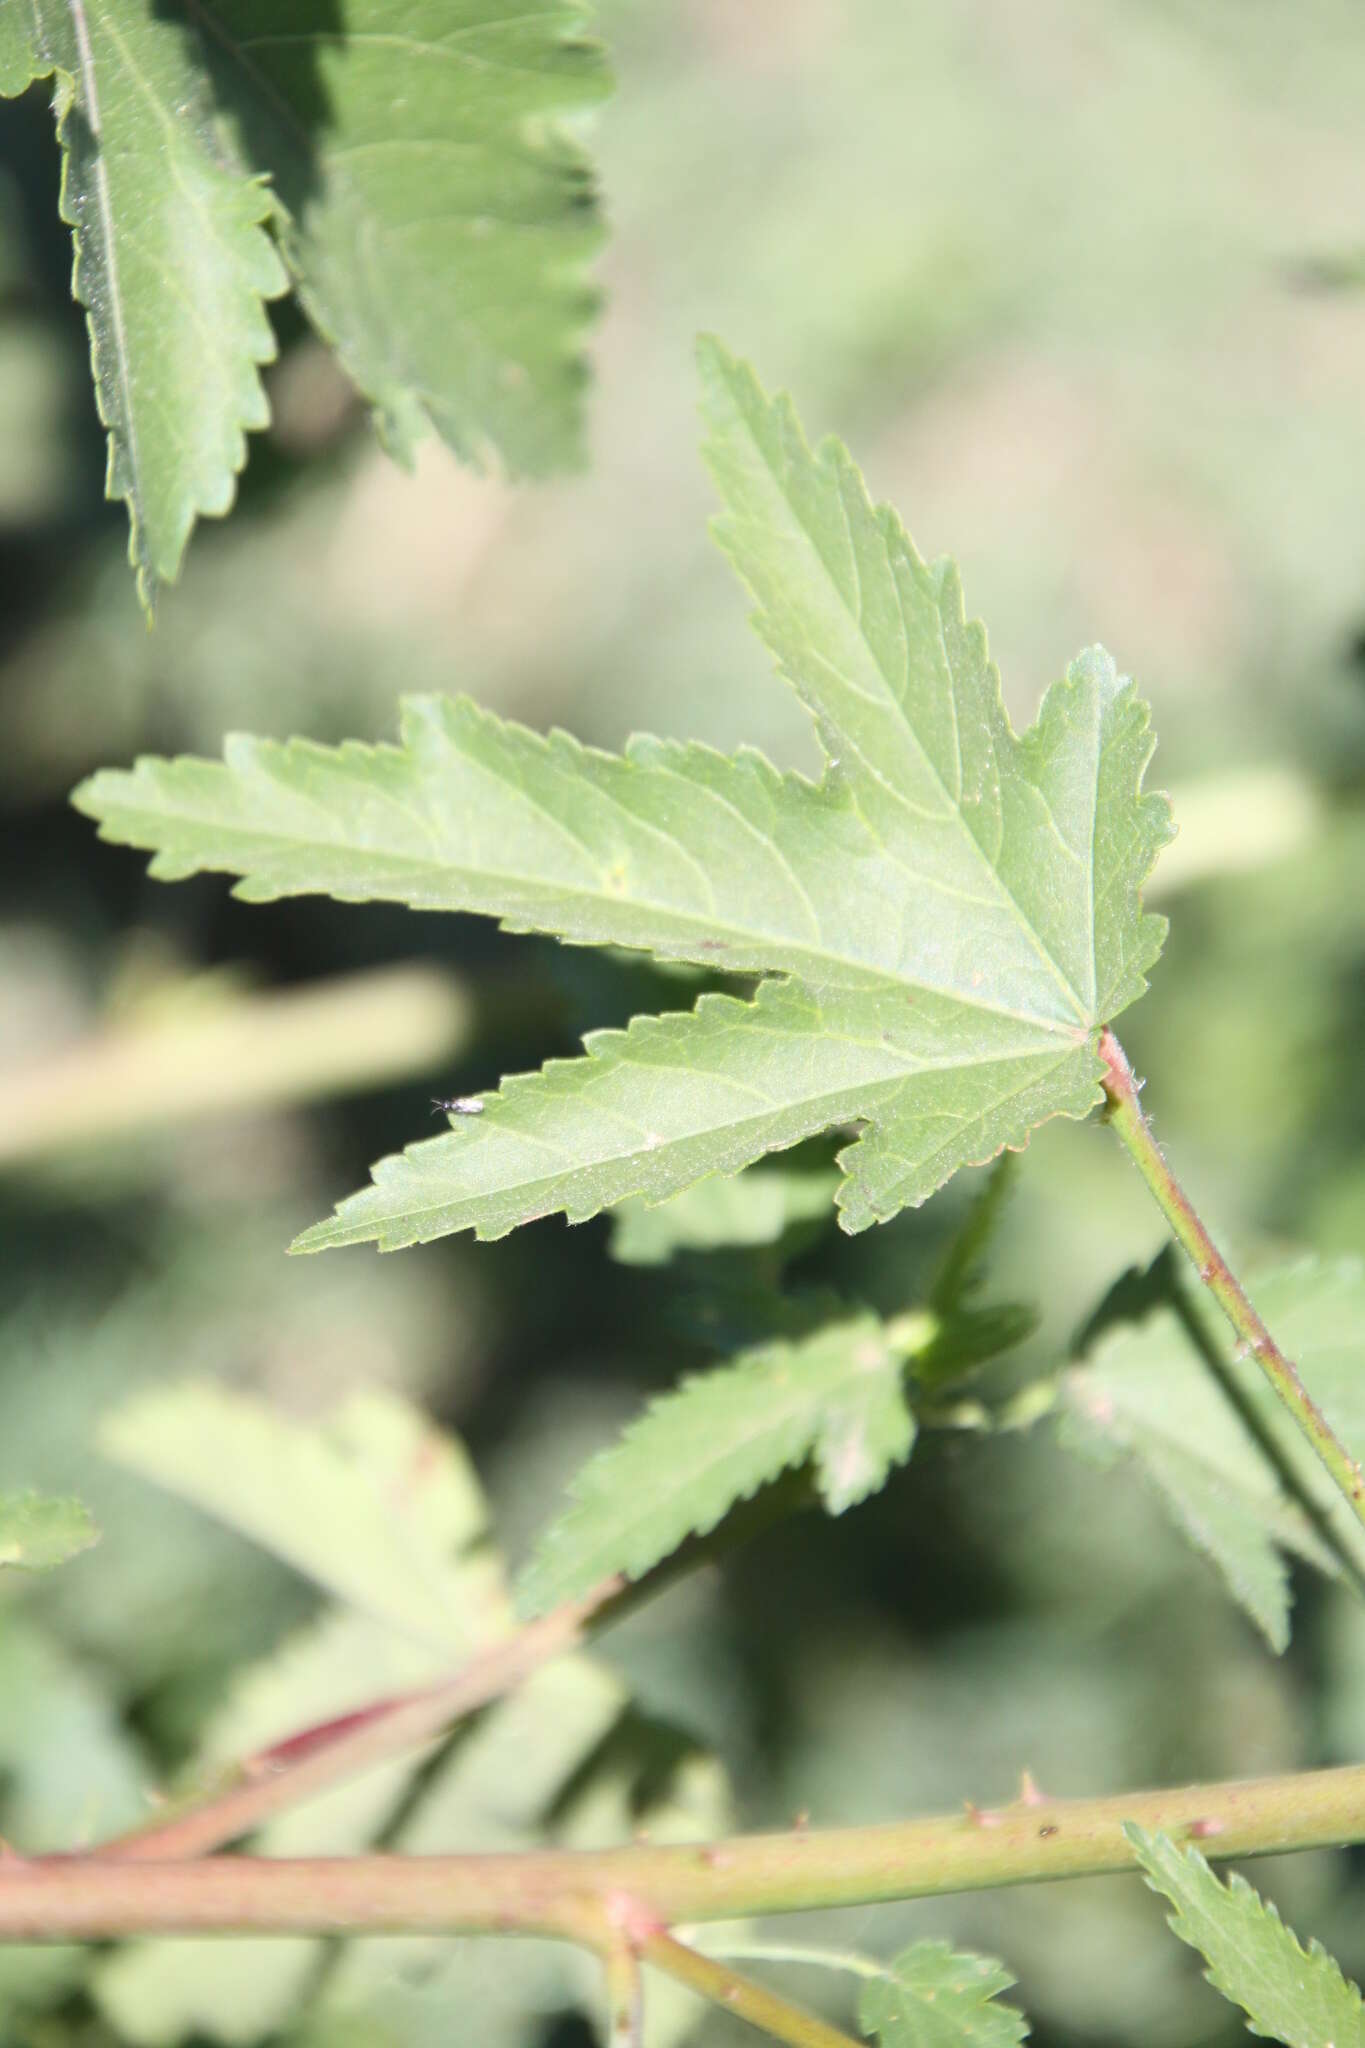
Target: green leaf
pixel 70 1771
pixel 933 1997
pixel 172 261
pixel 1288 1993
pixel 38 1531
pixel 372 1503
pixel 1215 1443
pixel 836 1397
pixel 953 911
pixel 436 222
pixel 757 1207
pixel 497 1782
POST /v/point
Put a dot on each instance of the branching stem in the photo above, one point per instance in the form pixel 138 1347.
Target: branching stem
pixel 1131 1126
pixel 294 1770
pixel 774 2016
pixel 573 1894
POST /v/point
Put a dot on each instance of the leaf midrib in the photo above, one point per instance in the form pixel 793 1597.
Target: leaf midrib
pixel 782 1409
pixel 954 806
pixel 795 952
pixel 870 1096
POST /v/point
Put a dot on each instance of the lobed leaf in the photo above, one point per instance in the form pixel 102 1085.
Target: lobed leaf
pixel 38 1531
pixel 948 917
pixel 436 222
pixel 1288 1993
pixel 934 1997
pixel 372 1503
pixel 172 261
pixel 835 1397
pixel 1230 1469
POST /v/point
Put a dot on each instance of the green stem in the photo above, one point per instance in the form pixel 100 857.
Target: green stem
pixel 1132 1127
pixel 625 1997
pixel 574 1893
pixel 281 1776
pixel 762 2008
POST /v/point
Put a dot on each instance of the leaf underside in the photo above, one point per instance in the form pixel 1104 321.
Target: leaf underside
pixel 1232 1472
pixel 1288 1993
pixel 172 261
pixel 944 921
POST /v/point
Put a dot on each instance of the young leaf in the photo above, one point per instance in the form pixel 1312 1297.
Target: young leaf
pixel 172 261
pixel 1230 1469
pixel 436 224
pixel 38 1531
pixel 836 1397
pixel 954 911
pixel 1288 1993
pixel 373 1504
pixel 933 1997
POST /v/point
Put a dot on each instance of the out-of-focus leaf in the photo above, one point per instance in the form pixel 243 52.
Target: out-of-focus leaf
pixel 836 1397
pixel 958 907
pixel 436 222
pixel 1289 1993
pixel 239 1991
pixel 173 264
pixel 372 1503
pixel 70 1774
pixel 38 1531
pixel 70 1771
pixel 1230 1467
pixel 755 1207
pixel 512 1783
pixel 933 1997
pixel 501 1778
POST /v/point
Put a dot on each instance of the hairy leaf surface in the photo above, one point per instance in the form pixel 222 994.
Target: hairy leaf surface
pixel 1288 1993
pixel 436 223
pixel 946 919
pixel 934 1997
pixel 38 1531
pixel 1233 1472
pixel 173 263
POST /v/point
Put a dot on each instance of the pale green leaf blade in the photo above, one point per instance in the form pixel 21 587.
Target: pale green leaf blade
pixel 160 1991
pixel 935 1997
pixel 1231 1470
pixel 72 1772
pixel 436 221
pixel 20 62
pixel 1288 1993
pixel 172 264
pixel 38 1531
pixel 1021 859
pixel 952 942
pixel 371 1503
pixel 756 1207
pixel 654 1108
pixel 716 1439
pixel 677 850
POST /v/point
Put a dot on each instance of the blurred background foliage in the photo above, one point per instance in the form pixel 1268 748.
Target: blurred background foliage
pixel 1079 284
